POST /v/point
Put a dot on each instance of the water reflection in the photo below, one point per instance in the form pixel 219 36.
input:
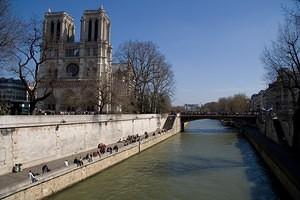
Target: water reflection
pixel 208 161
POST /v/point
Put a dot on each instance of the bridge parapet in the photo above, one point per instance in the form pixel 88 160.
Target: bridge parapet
pixel 238 118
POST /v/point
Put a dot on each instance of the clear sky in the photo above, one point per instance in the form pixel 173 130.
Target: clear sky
pixel 214 46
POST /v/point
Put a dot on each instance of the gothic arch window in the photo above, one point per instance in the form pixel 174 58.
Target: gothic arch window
pixel 69 33
pixel 96 30
pixel 72 33
pixel 58 30
pixel 52 30
pixel 90 30
pixel 107 32
pixel 55 73
pixel 104 30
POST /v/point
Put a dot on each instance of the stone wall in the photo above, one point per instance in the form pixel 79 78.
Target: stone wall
pixel 282 173
pixel 266 127
pixel 67 177
pixel 32 140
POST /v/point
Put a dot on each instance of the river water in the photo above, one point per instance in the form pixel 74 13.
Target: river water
pixel 207 161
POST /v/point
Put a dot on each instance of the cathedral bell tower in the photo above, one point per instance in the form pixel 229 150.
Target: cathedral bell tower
pixel 76 69
pixel 58 27
pixel 95 34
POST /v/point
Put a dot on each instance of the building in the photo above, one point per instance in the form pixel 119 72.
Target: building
pixel 191 107
pixel 74 69
pixel 122 88
pixel 275 105
pixel 13 95
pixel 276 98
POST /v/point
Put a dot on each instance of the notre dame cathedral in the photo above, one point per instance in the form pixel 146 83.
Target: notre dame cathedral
pixel 75 69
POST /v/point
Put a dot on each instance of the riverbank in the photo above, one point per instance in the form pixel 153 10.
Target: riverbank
pixel 207 161
pixel 65 177
pixel 283 163
pixel 35 140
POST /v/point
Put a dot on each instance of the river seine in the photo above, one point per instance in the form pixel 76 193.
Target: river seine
pixel 207 161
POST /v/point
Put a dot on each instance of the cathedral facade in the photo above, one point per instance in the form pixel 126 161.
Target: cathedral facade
pixel 75 70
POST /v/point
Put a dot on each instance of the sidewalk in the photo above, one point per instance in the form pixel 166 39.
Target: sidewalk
pixel 283 157
pixel 18 180
pixel 11 180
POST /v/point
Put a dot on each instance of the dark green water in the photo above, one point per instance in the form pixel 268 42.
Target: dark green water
pixel 208 162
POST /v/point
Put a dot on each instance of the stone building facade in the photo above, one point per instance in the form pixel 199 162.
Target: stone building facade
pixel 75 69
pixel 122 88
pixel 275 106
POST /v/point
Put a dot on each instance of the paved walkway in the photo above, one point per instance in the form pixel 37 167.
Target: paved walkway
pixel 17 180
pixel 283 156
pixel 8 181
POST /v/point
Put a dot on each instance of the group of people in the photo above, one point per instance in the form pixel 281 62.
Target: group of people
pixel 102 148
pixel 136 138
pixel 33 176
pixel 78 162
pixel 130 139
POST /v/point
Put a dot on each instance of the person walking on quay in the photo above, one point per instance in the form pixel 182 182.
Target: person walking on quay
pixel 32 178
pixel 45 169
pixel 66 163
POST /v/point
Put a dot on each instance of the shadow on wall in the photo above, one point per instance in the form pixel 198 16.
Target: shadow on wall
pixel 265 185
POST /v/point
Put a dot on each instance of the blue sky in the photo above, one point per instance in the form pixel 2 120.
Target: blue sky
pixel 214 46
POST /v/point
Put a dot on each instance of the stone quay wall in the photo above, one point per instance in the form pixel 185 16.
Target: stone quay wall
pixel 33 140
pixel 70 176
pixel 280 171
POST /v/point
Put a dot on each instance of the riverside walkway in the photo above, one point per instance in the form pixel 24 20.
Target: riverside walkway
pixel 13 181
pixel 18 181
pixel 286 163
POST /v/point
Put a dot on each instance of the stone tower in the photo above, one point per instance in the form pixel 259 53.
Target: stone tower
pixel 75 68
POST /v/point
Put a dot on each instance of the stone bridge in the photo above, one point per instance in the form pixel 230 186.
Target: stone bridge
pixel 237 119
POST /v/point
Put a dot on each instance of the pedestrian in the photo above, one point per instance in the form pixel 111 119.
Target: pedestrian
pixel 66 163
pixel 90 157
pixel 80 161
pixel 45 169
pixel 77 162
pixel 32 178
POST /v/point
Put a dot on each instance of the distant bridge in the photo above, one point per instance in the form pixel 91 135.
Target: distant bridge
pixel 238 118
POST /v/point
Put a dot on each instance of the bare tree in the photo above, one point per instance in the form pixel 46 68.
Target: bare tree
pixel 152 77
pixel 10 32
pixel 282 63
pixel 103 93
pixel 161 86
pixel 30 55
pixel 97 95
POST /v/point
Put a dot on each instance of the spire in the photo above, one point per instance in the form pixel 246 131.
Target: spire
pixel 49 10
pixel 101 9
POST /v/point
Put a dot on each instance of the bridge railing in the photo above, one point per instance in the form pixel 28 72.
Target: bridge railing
pixel 218 113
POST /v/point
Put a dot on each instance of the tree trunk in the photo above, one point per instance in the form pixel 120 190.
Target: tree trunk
pixel 32 105
pixel 101 109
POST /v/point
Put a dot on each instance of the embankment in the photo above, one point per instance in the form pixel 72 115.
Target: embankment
pixel 283 163
pixel 33 140
pixel 66 177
